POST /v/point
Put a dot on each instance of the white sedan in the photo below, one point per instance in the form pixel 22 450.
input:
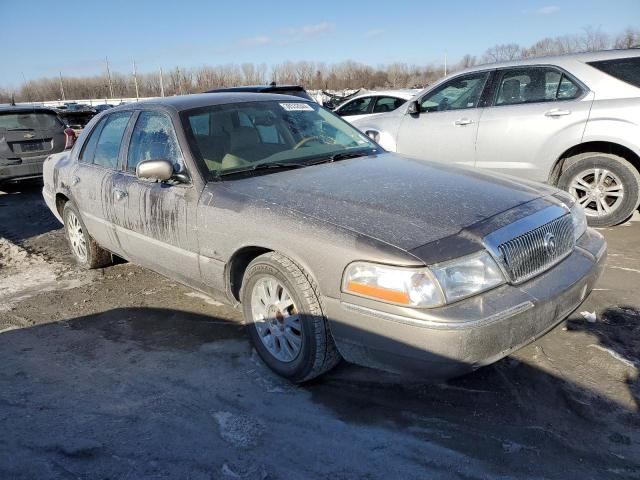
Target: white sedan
pixel 374 103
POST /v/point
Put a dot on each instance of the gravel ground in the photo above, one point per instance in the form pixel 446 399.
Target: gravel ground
pixel 120 373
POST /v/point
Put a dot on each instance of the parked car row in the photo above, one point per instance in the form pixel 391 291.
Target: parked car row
pixel 331 247
pixel 571 121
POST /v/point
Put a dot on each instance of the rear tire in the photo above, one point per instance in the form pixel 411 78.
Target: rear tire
pixel 287 327
pixel 86 252
pixel 606 185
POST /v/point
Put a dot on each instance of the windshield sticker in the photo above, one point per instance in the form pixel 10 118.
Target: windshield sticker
pixel 297 107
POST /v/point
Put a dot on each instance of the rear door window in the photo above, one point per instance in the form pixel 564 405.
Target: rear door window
pixel 625 69
pixel 387 104
pixel 359 106
pixel 534 85
pixel 108 144
pixel 89 147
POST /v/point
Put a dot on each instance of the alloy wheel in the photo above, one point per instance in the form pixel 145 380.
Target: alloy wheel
pixel 76 237
pixel 276 318
pixel 599 191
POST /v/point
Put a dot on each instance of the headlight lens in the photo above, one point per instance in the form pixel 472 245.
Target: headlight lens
pixel 579 220
pixel 413 287
pixel 467 276
pixel 423 287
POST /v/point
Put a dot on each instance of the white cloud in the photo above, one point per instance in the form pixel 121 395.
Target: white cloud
pixel 376 32
pixel 284 37
pixel 310 30
pixel 544 11
pixel 257 41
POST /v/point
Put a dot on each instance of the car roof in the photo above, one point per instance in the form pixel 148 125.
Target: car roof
pixel 257 88
pixel 5 107
pixel 401 93
pixel 559 59
pixel 197 100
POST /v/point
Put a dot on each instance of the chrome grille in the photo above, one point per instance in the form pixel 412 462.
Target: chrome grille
pixel 537 250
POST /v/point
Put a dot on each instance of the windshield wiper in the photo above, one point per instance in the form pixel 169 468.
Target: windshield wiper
pixel 342 156
pixel 291 165
pixel 265 166
pixel 19 129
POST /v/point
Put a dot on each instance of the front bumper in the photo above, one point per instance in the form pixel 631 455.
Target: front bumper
pixel 451 340
pixel 30 167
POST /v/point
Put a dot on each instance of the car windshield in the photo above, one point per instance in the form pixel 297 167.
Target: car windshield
pixel 239 137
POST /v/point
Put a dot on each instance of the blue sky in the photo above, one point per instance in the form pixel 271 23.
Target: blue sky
pixel 41 38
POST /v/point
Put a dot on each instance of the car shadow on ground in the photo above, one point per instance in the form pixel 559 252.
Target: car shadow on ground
pixel 24 201
pixel 139 392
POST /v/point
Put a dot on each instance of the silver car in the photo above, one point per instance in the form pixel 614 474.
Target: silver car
pixel 571 121
pixel 331 247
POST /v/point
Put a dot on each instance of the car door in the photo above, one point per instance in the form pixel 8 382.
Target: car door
pixel 446 125
pixel 158 219
pixel 535 112
pixel 93 175
pixel 356 108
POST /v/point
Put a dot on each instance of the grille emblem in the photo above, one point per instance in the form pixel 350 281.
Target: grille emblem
pixel 29 135
pixel 549 242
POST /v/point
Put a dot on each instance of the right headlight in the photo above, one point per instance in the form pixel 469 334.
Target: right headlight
pixel 423 287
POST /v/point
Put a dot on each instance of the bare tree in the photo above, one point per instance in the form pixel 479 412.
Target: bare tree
pixel 502 53
pixel 630 38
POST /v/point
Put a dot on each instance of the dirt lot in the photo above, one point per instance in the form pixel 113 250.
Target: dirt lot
pixel 120 373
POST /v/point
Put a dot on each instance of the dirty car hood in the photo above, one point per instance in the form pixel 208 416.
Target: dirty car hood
pixel 397 200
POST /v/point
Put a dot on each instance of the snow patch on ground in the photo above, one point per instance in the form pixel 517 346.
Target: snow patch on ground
pixel 23 274
pixel 238 430
pixel 204 297
pixel 615 355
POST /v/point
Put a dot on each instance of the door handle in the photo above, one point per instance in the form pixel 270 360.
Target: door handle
pixel 75 180
pixel 557 113
pixel 119 194
pixel 463 121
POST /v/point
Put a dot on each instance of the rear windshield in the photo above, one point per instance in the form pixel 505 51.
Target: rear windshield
pixel 625 69
pixel 28 121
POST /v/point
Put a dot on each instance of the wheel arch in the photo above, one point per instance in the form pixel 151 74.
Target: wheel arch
pixel 61 200
pixel 242 257
pixel 592 147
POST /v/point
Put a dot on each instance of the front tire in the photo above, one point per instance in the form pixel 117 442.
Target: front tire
pixel 606 185
pixel 86 252
pixel 287 327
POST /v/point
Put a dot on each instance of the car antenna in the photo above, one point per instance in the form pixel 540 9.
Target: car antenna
pixel 13 99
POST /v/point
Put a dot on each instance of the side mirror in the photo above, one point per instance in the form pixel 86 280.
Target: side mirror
pixel 413 108
pixel 160 170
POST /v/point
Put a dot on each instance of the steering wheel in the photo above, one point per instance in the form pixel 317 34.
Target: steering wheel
pixel 304 141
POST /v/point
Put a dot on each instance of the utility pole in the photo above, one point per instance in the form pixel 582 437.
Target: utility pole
pixel 135 80
pixel 445 63
pixel 161 84
pixel 179 80
pixel 62 87
pixel 24 80
pixel 109 76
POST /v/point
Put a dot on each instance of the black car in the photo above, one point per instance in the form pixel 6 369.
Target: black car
pixel 295 90
pixel 28 134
